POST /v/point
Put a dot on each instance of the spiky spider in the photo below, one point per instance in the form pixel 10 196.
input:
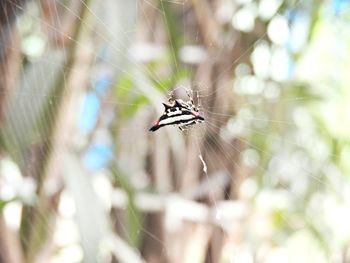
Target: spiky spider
pixel 179 113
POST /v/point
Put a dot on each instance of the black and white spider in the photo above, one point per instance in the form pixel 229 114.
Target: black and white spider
pixel 179 113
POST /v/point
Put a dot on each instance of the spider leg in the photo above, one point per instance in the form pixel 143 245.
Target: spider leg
pixel 189 93
pixel 171 98
pixel 198 102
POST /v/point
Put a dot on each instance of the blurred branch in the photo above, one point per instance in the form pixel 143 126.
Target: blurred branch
pixel 21 124
pixel 181 208
pixel 206 22
pixel 58 25
pixel 9 58
pixel 53 130
pixel 10 249
pixel 123 252
pixel 209 185
pixel 92 219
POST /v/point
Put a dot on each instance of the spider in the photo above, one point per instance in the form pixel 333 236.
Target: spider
pixel 179 113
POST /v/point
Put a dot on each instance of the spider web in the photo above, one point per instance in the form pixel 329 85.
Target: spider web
pixel 236 187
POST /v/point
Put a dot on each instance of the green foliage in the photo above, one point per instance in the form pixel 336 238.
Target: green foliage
pixel 166 84
pixel 130 102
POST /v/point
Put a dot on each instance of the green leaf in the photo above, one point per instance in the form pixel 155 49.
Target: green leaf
pixel 123 87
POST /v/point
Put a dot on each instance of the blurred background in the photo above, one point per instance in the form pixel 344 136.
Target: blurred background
pixel 264 179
